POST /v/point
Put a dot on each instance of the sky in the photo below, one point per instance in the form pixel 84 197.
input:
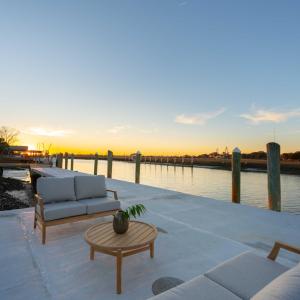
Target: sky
pixel 158 76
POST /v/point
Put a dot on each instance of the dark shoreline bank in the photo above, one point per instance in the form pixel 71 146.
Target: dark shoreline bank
pixel 14 194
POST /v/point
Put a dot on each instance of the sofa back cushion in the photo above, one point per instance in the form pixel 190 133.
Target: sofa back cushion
pixel 54 189
pixel 284 287
pixel 90 187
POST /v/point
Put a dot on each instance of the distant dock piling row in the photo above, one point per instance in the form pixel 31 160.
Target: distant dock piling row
pixel 273 168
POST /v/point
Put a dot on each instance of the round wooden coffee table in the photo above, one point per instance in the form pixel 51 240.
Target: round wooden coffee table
pixel 102 238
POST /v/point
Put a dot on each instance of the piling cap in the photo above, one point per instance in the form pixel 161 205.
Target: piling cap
pixel 236 150
pixel 138 152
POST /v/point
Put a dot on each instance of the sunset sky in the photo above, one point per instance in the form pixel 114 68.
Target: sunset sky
pixel 159 76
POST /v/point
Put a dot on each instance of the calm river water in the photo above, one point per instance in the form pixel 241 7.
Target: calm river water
pixel 206 182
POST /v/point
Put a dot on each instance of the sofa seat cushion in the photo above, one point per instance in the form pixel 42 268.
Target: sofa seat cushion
pixel 90 187
pixel 60 210
pixel 96 205
pixel 246 274
pixel 199 288
pixel 54 189
pixel 284 287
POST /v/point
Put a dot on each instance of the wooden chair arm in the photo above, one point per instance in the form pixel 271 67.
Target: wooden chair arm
pixel 39 201
pixel 279 245
pixel 115 194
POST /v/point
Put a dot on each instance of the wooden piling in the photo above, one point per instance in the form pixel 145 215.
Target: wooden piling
pixel 273 165
pixel 236 175
pixel 109 163
pixel 59 160
pixel 66 160
pixel 72 162
pixel 192 161
pixel 137 166
pixel 96 164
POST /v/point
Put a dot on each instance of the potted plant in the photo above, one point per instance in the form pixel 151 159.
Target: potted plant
pixel 122 217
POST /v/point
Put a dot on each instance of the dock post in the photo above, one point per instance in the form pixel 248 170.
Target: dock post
pixel 59 160
pixel 192 161
pixel 137 166
pixel 273 164
pixel 174 161
pixel 109 163
pixel 72 162
pixel 236 175
pixel 182 161
pixel 96 163
pixel 66 160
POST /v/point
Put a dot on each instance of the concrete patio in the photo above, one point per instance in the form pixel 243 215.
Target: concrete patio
pixel 195 235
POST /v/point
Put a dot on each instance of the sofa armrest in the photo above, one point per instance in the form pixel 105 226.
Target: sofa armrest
pixel 39 201
pixel 279 245
pixel 115 194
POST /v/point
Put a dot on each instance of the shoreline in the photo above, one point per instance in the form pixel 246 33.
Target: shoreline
pixel 15 194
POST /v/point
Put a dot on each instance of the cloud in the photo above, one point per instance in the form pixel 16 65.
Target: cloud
pixel 40 131
pixel 263 116
pixel 198 119
pixel 183 3
pixel 148 131
pixel 118 129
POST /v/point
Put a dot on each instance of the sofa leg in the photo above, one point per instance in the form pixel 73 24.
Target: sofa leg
pixel 43 234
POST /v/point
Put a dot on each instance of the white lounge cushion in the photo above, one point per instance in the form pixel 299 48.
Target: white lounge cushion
pixel 199 288
pixel 284 287
pixel 246 274
pixel 90 187
pixel 96 205
pixel 54 189
pixel 60 210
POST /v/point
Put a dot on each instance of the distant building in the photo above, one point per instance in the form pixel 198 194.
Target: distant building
pixel 17 149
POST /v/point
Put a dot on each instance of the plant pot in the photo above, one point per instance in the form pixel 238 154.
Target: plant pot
pixel 120 223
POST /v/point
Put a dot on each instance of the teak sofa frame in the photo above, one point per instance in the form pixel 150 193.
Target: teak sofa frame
pixel 42 224
pixel 280 245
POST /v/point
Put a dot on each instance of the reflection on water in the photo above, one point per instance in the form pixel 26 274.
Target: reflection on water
pixel 206 182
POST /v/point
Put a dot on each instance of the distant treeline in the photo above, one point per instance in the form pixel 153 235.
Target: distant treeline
pixel 256 155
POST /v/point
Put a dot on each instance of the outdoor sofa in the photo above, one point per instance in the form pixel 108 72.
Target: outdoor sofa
pixel 71 199
pixel 247 276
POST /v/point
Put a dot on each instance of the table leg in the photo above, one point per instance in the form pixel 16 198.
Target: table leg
pixel 152 249
pixel 92 253
pixel 119 273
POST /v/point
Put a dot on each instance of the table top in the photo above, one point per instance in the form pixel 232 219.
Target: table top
pixel 102 236
pixel 56 172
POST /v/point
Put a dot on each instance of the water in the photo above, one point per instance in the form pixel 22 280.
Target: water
pixel 206 182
